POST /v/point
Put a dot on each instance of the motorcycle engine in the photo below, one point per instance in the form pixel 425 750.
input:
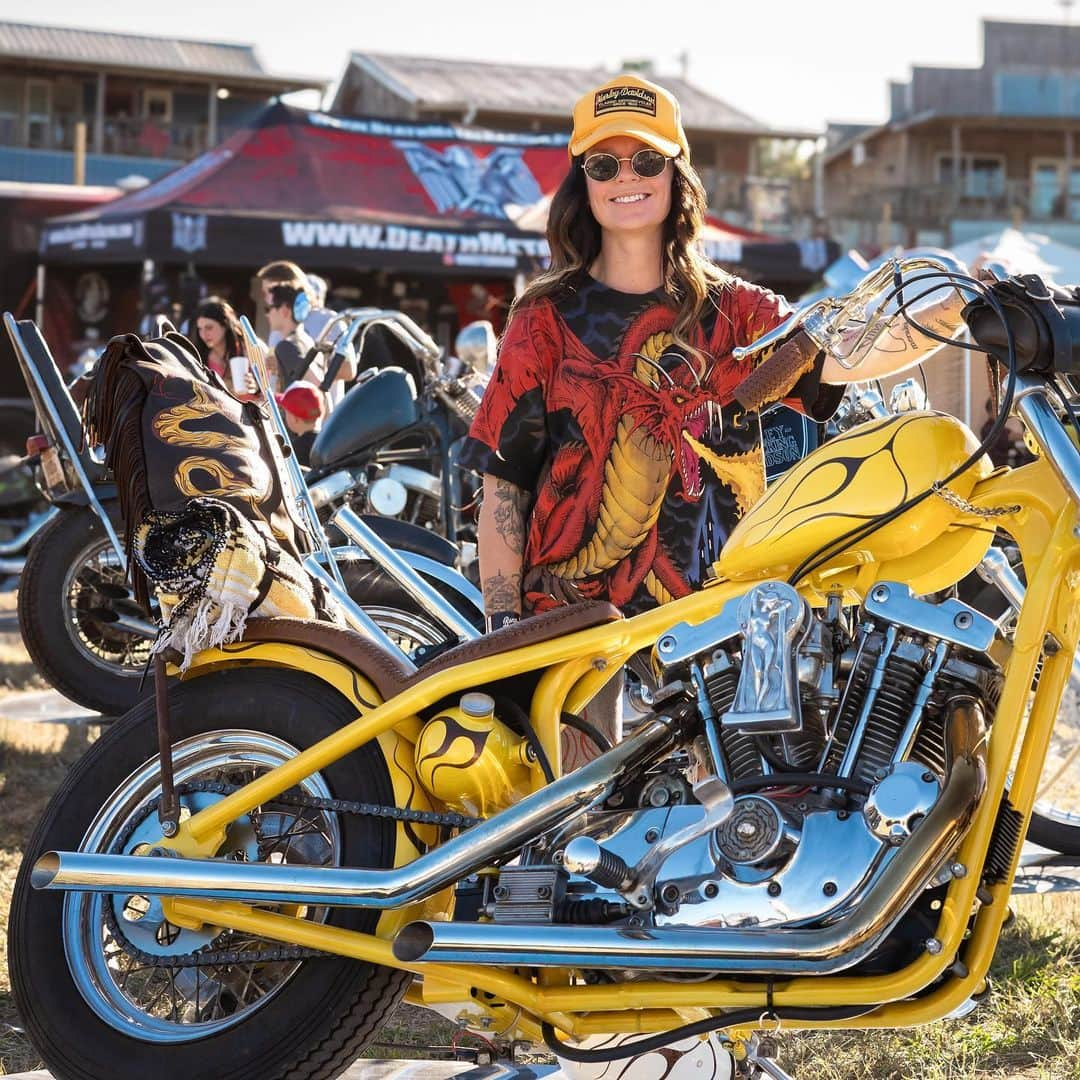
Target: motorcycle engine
pixel 832 730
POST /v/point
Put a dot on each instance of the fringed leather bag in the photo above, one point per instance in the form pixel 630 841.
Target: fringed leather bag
pixel 198 473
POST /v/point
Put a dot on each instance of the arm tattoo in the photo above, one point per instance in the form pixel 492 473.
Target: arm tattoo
pixel 508 514
pixel 502 592
pixel 901 337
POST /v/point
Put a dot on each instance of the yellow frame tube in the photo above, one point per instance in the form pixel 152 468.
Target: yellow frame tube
pixel 1044 531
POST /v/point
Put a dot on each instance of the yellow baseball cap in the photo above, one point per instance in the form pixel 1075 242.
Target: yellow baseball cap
pixel 629 105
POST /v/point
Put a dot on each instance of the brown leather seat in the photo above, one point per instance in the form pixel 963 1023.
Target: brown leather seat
pixel 530 631
pixel 389 673
pixel 386 671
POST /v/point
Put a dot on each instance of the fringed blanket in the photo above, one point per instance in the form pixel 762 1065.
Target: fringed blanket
pixel 172 431
pixel 212 568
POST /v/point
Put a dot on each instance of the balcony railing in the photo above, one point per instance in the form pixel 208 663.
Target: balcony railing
pixel 123 135
pixel 768 203
pixel 933 206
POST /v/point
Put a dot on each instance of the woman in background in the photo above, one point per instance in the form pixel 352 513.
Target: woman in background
pixel 221 337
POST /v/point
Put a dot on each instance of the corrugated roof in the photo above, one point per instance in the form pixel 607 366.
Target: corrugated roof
pixel 101 49
pixel 534 89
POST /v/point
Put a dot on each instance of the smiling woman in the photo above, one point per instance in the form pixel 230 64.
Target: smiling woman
pixel 616 458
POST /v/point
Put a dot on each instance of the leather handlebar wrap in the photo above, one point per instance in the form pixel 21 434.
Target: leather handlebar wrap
pixel 776 375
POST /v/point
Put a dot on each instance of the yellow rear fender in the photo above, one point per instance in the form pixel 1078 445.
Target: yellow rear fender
pixel 397 746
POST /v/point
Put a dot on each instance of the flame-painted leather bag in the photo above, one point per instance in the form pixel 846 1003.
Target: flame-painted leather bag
pixel 177 442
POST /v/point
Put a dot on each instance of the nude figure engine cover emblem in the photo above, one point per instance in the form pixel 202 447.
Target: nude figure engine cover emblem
pixel 773 618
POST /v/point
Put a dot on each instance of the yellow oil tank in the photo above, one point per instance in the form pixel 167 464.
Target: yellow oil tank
pixel 470 760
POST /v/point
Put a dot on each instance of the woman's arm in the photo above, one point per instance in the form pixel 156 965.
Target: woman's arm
pixel 501 540
pixel 902 345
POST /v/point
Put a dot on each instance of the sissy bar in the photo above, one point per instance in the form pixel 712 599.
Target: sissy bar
pixel 320 563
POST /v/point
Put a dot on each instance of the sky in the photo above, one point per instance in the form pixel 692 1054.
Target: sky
pixel 787 62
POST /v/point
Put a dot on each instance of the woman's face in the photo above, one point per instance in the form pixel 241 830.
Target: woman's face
pixel 629 202
pixel 211 332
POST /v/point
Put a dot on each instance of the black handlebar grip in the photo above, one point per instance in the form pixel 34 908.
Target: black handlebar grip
pixel 775 376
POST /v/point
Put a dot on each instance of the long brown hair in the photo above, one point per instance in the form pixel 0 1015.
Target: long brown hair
pixel 221 312
pixel 691 281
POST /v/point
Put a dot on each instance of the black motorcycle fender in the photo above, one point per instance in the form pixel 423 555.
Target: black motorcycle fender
pixel 404 536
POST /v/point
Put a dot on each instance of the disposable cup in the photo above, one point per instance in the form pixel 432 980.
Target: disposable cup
pixel 238 367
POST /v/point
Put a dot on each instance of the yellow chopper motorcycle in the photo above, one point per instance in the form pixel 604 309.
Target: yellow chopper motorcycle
pixel 817 826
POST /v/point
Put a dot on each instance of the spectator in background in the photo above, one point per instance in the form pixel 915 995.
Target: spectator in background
pixel 302 407
pixel 283 272
pixel 294 357
pixel 1008 448
pixel 220 337
pixel 318 319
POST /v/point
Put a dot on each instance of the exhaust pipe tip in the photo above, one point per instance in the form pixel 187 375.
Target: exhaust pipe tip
pixel 45 870
pixel 412 943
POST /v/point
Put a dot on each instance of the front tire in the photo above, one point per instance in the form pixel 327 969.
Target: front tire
pixel 91 1012
pixel 71 585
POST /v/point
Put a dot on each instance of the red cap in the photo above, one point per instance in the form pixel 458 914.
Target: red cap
pixel 302 400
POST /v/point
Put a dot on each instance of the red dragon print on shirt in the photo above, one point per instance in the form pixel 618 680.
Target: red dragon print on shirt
pixel 644 416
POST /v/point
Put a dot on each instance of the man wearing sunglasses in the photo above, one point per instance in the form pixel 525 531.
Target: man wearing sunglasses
pixel 289 360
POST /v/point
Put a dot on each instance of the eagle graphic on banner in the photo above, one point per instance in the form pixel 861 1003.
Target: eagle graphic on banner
pixel 456 179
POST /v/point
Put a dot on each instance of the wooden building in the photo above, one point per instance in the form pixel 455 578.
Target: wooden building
pixel 148 103
pixel 966 151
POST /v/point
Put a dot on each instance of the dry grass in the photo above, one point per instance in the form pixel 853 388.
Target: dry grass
pixel 1028 1027
pixel 17 672
pixel 33 761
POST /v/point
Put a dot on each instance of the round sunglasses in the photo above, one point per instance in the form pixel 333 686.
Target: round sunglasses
pixel 646 163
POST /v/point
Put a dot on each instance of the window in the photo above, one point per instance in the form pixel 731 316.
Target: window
pixel 38 112
pixel 9 112
pixel 1048 200
pixel 157 105
pixel 1024 94
pixel 982 176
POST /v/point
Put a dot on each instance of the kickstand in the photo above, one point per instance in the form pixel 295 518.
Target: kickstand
pixel 169 807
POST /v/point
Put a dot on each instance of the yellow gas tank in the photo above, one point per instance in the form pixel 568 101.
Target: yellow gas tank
pixel 850 480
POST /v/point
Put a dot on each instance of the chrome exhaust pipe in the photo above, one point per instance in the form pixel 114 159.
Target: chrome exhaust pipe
pixel 477 847
pixel 772 951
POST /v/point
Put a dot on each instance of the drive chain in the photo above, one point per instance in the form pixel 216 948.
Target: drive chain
pixel 279 954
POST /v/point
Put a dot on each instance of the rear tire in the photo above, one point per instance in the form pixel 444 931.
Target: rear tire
pixel 309 1026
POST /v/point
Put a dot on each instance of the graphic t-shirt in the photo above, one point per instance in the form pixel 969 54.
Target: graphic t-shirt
pixel 640 459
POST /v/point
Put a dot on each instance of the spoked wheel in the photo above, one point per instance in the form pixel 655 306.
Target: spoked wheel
pixel 102 611
pixel 108 987
pixel 78 618
pixel 395 612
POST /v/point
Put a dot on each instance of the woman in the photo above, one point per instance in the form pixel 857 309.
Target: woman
pixel 616 458
pixel 220 338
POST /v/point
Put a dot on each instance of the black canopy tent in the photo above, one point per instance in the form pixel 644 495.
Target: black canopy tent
pixel 364 193
pixel 332 192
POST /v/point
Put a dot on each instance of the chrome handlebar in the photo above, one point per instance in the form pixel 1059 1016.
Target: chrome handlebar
pixel 825 321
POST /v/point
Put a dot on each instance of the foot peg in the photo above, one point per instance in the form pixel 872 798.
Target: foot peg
pixel 583 855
